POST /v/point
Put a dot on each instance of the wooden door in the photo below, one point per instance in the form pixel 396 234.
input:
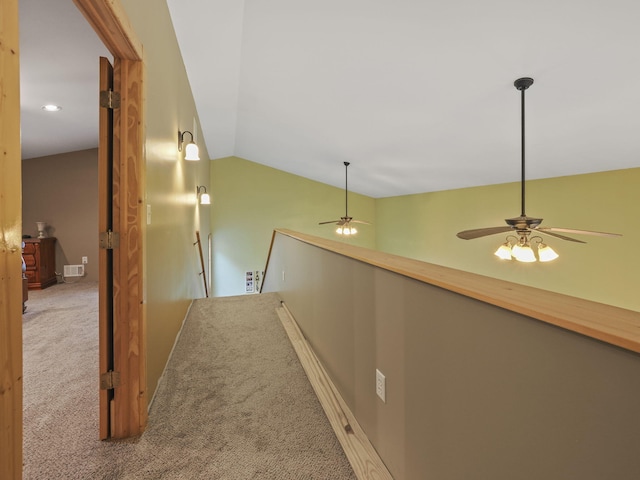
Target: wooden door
pixel 105 256
pixel 123 401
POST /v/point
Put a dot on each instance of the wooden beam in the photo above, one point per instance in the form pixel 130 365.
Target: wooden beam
pixel 110 21
pixel 10 247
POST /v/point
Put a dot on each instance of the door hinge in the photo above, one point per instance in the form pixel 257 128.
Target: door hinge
pixel 109 240
pixel 109 99
pixel 109 380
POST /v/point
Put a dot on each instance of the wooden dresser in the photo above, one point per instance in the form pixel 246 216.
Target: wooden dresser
pixel 40 257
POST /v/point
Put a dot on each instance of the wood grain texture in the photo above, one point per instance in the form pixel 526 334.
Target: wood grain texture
pixel 109 20
pixel 364 459
pixel 606 323
pixel 130 402
pixel 10 247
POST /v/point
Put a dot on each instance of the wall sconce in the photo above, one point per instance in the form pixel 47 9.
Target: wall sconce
pixel 520 249
pixel 191 150
pixel 203 196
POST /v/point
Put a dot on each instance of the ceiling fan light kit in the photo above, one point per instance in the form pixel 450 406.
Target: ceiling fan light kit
pixel 524 247
pixel 345 224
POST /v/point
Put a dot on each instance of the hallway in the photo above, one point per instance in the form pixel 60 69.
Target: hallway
pixel 233 403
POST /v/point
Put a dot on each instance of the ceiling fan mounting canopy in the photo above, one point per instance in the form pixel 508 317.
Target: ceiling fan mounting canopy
pixel 523 83
pixel 523 222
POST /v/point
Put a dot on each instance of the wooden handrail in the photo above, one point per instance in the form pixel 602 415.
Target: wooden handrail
pixel 203 272
pixel 613 325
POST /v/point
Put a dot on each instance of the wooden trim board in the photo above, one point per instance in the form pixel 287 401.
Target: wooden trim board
pixel 10 247
pixel 364 459
pixel 613 325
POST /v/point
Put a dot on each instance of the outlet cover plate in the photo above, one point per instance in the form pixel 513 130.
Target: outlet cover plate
pixel 381 386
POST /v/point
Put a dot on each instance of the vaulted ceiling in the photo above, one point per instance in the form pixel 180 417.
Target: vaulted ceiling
pixel 418 95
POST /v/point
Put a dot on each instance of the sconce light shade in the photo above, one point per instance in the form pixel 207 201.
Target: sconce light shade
pixel 192 152
pixel 203 195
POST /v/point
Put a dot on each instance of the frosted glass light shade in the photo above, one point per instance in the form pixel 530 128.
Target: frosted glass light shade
pixel 523 253
pixel 192 152
pixel 346 230
pixel 205 199
pixel 546 253
pixel 504 251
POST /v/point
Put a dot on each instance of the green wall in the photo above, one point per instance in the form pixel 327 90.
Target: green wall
pixel 249 200
pixel 603 270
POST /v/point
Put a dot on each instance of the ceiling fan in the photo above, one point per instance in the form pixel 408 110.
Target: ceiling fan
pixel 520 247
pixel 345 226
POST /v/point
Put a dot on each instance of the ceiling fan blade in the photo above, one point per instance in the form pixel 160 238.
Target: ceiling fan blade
pixel 581 232
pixel 557 235
pixel 482 232
pixel 330 221
pixel 361 221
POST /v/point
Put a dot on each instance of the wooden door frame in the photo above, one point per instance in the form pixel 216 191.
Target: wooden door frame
pixel 110 22
pixel 10 246
pixel 128 416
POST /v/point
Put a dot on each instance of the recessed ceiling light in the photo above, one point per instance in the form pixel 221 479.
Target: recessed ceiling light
pixel 51 108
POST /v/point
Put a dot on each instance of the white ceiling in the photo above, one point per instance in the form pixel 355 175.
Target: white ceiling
pixel 418 95
pixel 58 64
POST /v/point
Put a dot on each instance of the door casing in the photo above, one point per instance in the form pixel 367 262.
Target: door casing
pixel 127 409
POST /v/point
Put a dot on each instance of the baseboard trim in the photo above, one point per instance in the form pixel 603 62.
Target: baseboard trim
pixel 364 458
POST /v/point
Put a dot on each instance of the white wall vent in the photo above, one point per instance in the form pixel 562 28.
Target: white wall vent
pixel 74 270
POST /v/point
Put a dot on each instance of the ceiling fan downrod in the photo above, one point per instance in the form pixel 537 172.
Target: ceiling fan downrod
pixel 522 84
pixel 346 191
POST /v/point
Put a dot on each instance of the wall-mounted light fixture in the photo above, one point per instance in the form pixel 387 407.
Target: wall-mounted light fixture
pixel 191 150
pixel 203 195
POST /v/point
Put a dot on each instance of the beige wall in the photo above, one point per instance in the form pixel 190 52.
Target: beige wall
pixel 62 190
pixel 474 391
pixel 172 265
pixel 249 200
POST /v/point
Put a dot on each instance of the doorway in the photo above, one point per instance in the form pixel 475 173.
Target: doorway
pixel 128 411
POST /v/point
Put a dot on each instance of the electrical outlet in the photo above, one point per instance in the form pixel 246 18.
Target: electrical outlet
pixel 381 386
pixel 85 260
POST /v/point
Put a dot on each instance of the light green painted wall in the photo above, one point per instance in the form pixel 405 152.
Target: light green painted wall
pixel 249 200
pixel 172 265
pixel 603 270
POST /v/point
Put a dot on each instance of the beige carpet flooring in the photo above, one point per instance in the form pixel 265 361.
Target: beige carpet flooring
pixel 234 402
